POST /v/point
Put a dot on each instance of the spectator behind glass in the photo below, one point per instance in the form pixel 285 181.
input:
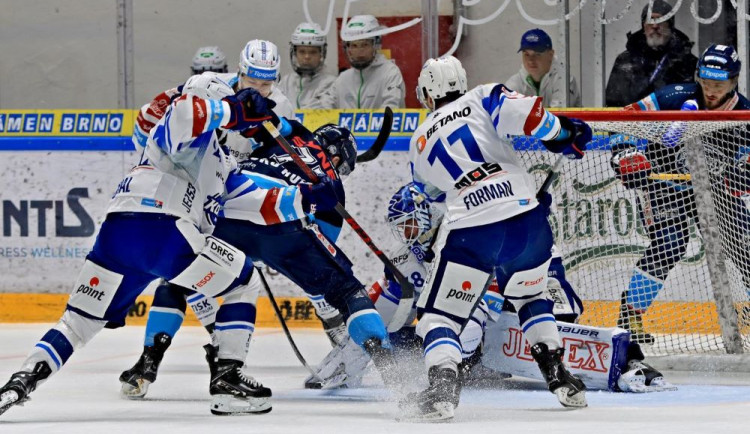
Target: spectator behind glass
pixel 541 74
pixel 209 59
pixel 308 86
pixel 655 56
pixel 373 81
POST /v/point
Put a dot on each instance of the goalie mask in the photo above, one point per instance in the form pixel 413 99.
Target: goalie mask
pixel 338 142
pixel 409 215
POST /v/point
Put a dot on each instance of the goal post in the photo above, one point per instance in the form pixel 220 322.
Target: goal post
pixel 668 238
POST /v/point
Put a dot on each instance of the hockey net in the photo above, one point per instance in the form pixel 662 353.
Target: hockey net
pixel 634 250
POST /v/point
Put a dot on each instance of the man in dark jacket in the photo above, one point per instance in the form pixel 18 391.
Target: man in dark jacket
pixel 655 56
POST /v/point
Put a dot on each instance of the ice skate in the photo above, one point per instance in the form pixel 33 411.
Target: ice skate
pixel 16 391
pixel 384 361
pixel 631 321
pixel 640 377
pixel 436 403
pixel 135 381
pixel 212 358
pixel 570 391
pixel 235 392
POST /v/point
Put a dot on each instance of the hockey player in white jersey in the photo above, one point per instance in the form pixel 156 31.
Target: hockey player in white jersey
pixel 463 154
pixel 258 69
pixel 604 357
pixel 158 225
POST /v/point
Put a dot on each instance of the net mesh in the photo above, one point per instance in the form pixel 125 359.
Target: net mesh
pixel 629 222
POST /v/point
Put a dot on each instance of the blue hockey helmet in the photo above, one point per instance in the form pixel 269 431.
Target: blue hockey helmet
pixel 339 142
pixel 409 214
pixel 719 62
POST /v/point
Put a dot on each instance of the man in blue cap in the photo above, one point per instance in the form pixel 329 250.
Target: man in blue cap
pixel 541 74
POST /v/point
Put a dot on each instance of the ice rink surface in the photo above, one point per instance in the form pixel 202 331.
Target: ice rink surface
pixel 84 396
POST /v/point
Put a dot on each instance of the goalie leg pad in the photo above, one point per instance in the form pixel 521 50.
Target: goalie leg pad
pixel 344 366
pixel 215 268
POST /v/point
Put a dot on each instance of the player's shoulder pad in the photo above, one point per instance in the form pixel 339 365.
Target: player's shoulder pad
pixel 672 96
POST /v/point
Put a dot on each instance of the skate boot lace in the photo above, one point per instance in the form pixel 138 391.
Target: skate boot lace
pixel 247 378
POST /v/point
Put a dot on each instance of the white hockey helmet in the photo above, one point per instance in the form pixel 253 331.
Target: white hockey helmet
pixel 439 77
pixel 309 35
pixel 207 86
pixel 209 59
pixel 260 59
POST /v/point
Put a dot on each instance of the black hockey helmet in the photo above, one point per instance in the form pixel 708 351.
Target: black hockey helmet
pixel 339 142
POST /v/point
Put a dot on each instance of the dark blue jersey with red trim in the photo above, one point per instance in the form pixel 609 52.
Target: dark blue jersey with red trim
pixel 269 165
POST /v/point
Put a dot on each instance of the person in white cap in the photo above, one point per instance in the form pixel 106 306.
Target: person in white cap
pixel 373 81
pixel 308 85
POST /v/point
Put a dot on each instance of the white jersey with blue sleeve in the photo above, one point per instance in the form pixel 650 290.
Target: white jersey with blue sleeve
pixel 183 168
pixel 465 150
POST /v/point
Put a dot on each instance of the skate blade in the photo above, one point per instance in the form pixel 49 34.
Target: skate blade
pixel 228 405
pixel 441 412
pixel 129 391
pixel 8 399
pixel 571 398
pixel 637 384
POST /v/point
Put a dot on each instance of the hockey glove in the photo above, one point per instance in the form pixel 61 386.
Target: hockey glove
pixel 321 196
pixel 545 201
pixel 631 166
pixel 737 178
pixel 248 110
pixel 574 135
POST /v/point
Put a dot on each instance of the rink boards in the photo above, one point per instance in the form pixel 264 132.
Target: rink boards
pixel 60 178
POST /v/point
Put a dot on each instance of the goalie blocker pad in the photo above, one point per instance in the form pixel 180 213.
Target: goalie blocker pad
pixel 597 355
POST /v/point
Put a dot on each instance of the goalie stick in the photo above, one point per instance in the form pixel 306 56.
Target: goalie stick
pixel 381 140
pixel 276 309
pixel 407 290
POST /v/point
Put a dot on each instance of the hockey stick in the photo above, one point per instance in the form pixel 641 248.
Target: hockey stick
pixel 276 309
pixel 554 172
pixel 381 140
pixel 670 177
pixel 407 290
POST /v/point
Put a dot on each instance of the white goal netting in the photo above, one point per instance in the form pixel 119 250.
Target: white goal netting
pixel 655 234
